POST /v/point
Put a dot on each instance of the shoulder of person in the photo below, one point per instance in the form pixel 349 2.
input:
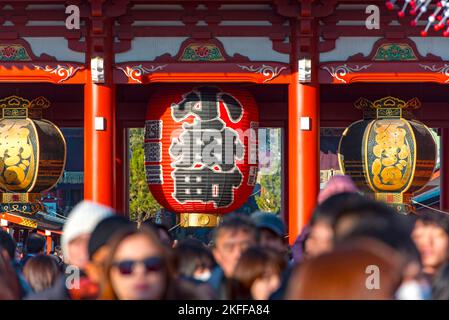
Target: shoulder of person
pixel 59 291
pixel 216 278
pixel 182 289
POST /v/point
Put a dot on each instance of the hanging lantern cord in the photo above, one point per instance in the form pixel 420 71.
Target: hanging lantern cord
pixel 174 227
pixel 430 208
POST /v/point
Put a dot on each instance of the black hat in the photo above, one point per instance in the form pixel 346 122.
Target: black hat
pixel 105 230
pixel 269 221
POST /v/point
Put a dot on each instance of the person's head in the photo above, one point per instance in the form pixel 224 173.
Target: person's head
pixel 365 270
pixel 98 247
pixel 381 223
pixel 19 253
pixel 369 213
pixel 77 229
pixel 271 231
pixel 9 283
pixel 232 236
pixel 163 233
pixel 431 235
pixel 35 244
pixel 7 245
pixel 320 237
pixel 41 272
pixel 336 185
pixel 257 274
pixel 137 267
pixel 194 259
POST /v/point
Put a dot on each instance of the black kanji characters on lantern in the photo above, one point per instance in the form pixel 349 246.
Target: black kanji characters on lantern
pixel 205 153
pixel 204 184
pixel 209 147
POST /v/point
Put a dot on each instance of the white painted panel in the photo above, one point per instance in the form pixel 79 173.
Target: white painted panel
pixel 244 23
pixel 45 23
pixel 46 7
pixel 147 49
pixel 351 23
pixel 438 46
pixel 57 47
pixel 158 23
pixel 255 48
pixel 157 7
pixel 246 7
pixel 349 46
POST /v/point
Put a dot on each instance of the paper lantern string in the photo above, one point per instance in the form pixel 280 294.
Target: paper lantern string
pixel 428 207
pixel 438 18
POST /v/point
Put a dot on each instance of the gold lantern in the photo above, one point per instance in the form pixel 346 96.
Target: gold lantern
pixel 32 154
pixel 388 153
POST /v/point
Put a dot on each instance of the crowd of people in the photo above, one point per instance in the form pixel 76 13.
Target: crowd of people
pixel 353 248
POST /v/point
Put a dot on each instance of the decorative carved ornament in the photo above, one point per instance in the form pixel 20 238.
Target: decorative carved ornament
pixel 63 72
pixel 339 72
pixel 267 71
pixel 135 73
pixel 395 52
pixel 207 50
pixel 13 52
pixel 387 50
pixel 201 52
pixel 444 70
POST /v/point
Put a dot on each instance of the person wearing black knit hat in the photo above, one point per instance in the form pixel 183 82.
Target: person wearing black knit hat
pixel 97 247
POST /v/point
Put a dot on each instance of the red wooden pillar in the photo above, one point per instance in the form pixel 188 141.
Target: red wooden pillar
pixel 303 140
pixel 49 242
pixel 99 121
pixel 444 169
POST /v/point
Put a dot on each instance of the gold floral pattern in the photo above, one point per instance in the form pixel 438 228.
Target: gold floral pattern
pixel 392 165
pixel 17 159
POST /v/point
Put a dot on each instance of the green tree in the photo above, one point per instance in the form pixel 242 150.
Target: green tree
pixel 142 204
pixel 270 199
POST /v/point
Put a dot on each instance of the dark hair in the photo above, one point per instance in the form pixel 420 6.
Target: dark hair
pixel 159 227
pixel 435 218
pixel 250 267
pixel 9 283
pixel 192 254
pixel 41 272
pixel 440 284
pixel 235 222
pixel 329 209
pixel 366 212
pixel 35 243
pixel 8 244
pixel 376 220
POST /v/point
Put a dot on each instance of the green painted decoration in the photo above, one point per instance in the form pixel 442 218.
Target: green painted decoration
pixel 395 52
pixel 13 52
pixel 201 52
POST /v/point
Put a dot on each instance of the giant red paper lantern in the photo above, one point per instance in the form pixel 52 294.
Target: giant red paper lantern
pixel 201 148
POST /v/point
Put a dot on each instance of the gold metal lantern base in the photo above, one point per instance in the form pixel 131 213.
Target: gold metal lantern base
pixel 20 197
pixel 199 220
pixel 402 202
pixel 22 203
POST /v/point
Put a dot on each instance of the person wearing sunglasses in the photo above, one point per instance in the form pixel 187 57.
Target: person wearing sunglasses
pixel 139 268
